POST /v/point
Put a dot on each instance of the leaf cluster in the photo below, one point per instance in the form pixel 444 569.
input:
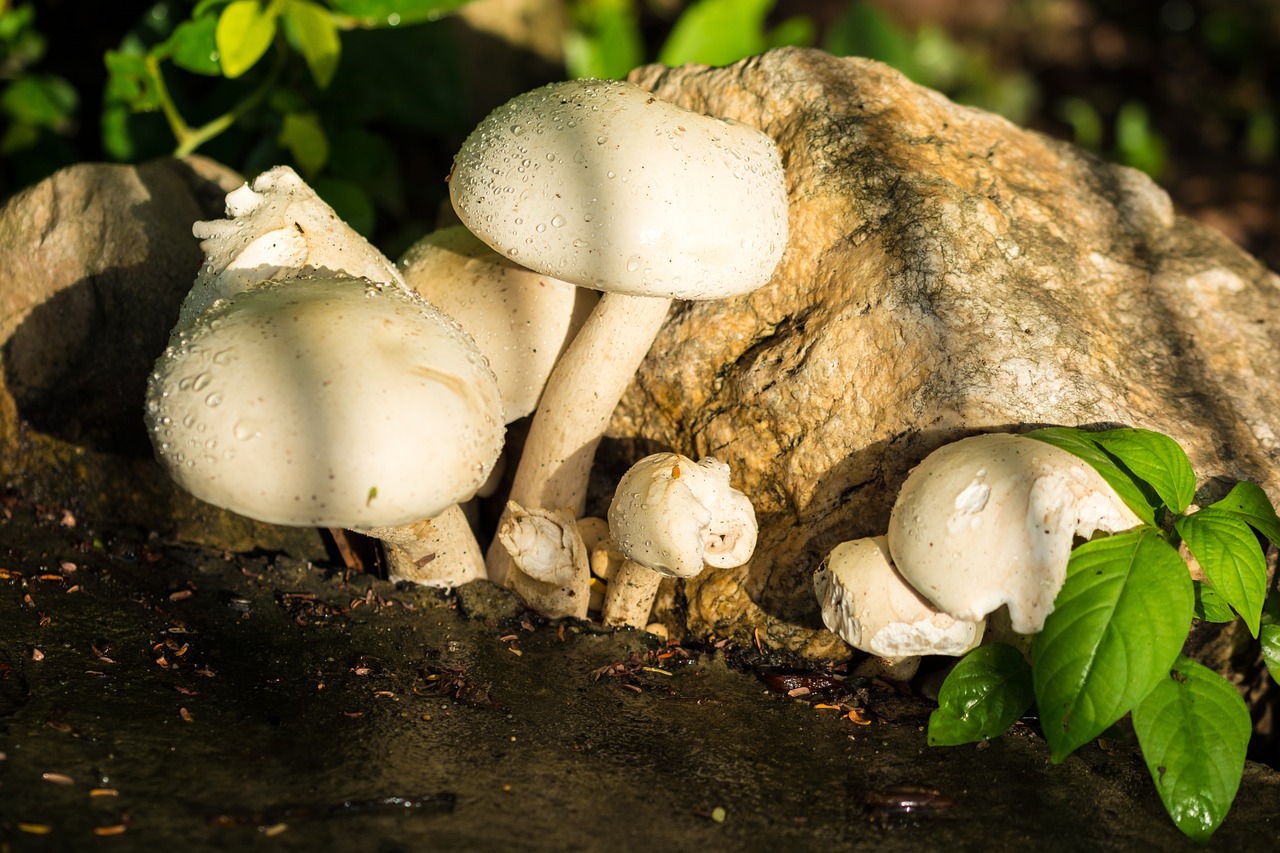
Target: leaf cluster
pixel 1112 645
pixel 258 82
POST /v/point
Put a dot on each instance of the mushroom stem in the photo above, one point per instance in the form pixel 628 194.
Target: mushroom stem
pixel 440 551
pixel 630 595
pixel 549 560
pixel 576 407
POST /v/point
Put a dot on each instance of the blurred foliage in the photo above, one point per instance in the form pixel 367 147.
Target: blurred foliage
pixel 363 96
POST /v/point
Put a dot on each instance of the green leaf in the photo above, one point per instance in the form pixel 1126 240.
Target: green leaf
pixel 605 40
pixel 129 82
pixel 989 689
pixel 796 31
pixel 1080 443
pixel 865 30
pixel 193 46
pixel 717 32
pixel 1154 458
pixel 394 13
pixel 1228 552
pixel 313 28
pixel 1194 730
pixel 1118 623
pixel 1251 503
pixel 40 100
pixel 245 30
pixel 1269 634
pixel 305 139
pixel 1211 607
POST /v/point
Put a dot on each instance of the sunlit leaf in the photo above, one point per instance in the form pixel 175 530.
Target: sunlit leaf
pixel 1228 552
pixel 605 40
pixel 1251 503
pixel 1156 459
pixel 986 692
pixel 305 139
pixel 1211 607
pixel 1194 730
pixel 1117 625
pixel 717 32
pixel 1079 443
pixel 394 13
pixel 796 31
pixel 865 30
pixel 193 46
pixel 317 38
pixel 40 100
pixel 245 30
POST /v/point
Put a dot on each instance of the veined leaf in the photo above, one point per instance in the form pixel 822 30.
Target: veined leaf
pixel 1269 634
pixel 316 35
pixel 244 32
pixel 1079 443
pixel 1117 625
pixel 1251 503
pixel 717 32
pixel 1210 606
pixel 1156 459
pixel 1227 550
pixel 1194 729
pixel 193 46
pixel 986 692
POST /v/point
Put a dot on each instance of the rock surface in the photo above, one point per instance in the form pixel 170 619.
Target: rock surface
pixel 94 262
pixel 948 273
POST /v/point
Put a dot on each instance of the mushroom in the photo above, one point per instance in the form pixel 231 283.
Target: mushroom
pixel 991 519
pixel 868 605
pixel 672 517
pixel 521 320
pixel 602 184
pixel 551 557
pixel 294 391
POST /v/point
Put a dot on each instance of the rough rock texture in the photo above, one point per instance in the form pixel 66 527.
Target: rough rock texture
pixel 94 262
pixel 948 273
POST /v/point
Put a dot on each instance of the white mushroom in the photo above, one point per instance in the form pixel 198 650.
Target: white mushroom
pixel 868 605
pixel 521 320
pixel 601 184
pixel 673 517
pixel 294 391
pixel 549 552
pixel 991 520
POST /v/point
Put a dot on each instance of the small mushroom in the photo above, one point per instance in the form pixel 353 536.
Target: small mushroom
pixel 672 517
pixel 991 519
pixel 604 185
pixel 547 549
pixel 868 605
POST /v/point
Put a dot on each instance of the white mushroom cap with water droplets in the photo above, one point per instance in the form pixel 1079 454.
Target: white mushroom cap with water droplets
pixel 520 319
pixel 602 184
pixel 868 605
pixel 331 402
pixel 674 516
pixel 991 519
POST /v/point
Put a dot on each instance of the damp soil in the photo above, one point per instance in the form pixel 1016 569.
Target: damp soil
pixel 154 694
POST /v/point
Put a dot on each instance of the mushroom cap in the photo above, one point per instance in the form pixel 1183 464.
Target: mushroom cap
pixel 867 603
pixel 520 319
pixel 674 516
pixel 275 230
pixel 328 402
pixel 991 519
pixel 602 184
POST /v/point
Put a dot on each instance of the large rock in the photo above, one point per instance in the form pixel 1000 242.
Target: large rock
pixel 94 262
pixel 947 273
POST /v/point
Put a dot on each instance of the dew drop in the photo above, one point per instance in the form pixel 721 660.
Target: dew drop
pixel 557 221
pixel 213 400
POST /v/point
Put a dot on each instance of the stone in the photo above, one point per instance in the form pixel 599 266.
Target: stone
pixel 948 273
pixel 94 262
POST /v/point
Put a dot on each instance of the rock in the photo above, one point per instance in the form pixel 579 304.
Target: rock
pixel 94 262
pixel 948 273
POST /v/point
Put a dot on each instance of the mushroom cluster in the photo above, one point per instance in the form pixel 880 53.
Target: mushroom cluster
pixel 310 381
pixel 984 523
